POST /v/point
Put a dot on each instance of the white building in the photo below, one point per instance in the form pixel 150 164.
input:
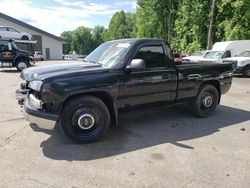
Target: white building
pixel 50 45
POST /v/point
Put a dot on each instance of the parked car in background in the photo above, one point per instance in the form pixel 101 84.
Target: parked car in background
pixel 227 49
pixel 186 55
pixel 74 56
pixel 67 57
pixel 11 56
pixel 177 58
pixel 194 57
pixel 81 56
pixel 242 63
pixel 38 56
pixel 9 32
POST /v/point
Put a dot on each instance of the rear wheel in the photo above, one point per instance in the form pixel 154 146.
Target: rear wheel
pixel 25 37
pixel 22 64
pixel 247 71
pixel 206 101
pixel 85 119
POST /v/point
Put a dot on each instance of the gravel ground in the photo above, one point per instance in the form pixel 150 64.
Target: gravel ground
pixel 160 147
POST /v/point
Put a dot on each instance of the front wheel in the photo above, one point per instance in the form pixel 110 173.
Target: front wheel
pixel 22 64
pixel 84 119
pixel 247 71
pixel 206 101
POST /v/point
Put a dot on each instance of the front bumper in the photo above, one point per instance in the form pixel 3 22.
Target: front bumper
pixel 41 117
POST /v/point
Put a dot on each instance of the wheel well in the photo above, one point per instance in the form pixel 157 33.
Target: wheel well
pixel 21 58
pixel 105 97
pixel 214 83
pixel 24 36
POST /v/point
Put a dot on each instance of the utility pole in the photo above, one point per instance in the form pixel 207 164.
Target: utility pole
pixel 211 25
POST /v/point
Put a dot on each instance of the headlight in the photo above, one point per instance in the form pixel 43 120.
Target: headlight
pixel 36 85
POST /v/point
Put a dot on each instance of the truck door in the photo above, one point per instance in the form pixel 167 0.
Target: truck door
pixel 6 53
pixel 157 83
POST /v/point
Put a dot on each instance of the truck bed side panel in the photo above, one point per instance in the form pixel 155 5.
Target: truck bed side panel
pixel 192 76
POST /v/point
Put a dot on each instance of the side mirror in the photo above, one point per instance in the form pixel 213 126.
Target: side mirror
pixel 9 46
pixel 136 64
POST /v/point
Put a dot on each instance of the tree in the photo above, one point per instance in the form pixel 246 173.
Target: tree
pixel 155 18
pixel 97 35
pixel 233 20
pixel 122 25
pixel 82 41
pixel 211 25
pixel 191 26
pixel 67 36
pixel 147 24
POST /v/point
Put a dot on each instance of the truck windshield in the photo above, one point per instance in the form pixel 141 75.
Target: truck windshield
pixel 109 54
pixel 214 54
pixel 244 54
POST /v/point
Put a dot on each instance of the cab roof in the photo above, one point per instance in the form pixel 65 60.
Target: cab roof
pixel 136 40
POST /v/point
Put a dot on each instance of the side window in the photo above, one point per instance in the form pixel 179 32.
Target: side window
pixel 12 30
pixel 227 54
pixel 153 56
pixel 3 29
pixel 3 46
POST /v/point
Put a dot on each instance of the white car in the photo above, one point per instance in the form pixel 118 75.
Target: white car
pixel 9 32
pixel 226 49
pixel 195 56
pixel 38 56
pixel 242 63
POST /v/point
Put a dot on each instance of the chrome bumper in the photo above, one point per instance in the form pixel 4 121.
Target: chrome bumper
pixel 42 118
pixel 40 122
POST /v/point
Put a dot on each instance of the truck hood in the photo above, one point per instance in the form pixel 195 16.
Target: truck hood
pixel 25 52
pixel 41 73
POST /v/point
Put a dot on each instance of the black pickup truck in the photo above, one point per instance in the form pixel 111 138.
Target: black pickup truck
pixel 11 56
pixel 84 98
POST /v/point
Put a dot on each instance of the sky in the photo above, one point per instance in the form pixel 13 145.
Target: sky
pixel 56 16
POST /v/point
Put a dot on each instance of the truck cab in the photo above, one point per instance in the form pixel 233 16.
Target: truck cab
pixel 12 56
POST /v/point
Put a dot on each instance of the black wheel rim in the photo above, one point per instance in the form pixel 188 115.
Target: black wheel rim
pixel 77 114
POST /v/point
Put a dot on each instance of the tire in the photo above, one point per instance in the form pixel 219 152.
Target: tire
pixel 247 71
pixel 206 101
pixel 84 119
pixel 22 64
pixel 25 37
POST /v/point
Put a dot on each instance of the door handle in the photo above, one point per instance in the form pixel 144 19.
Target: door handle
pixel 194 77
